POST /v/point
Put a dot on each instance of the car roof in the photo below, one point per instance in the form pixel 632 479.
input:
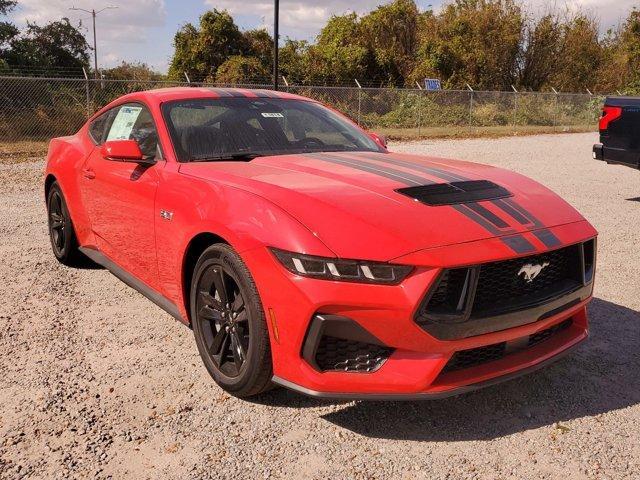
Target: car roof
pixel 182 93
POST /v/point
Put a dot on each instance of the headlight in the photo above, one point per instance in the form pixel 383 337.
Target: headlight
pixel 343 270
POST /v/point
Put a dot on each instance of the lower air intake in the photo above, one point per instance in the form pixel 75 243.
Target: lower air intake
pixel 477 356
pixel 338 354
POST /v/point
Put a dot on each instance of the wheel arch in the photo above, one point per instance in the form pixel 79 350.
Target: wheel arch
pixel 196 246
pixel 48 181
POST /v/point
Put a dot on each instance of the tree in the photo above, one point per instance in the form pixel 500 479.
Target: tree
pixel 476 42
pixel 541 52
pixel 620 66
pixel 259 44
pixel 200 51
pixel 7 30
pixel 293 59
pixel 337 56
pixel 390 32
pixel 55 45
pixel 238 69
pixel 132 71
pixel 580 55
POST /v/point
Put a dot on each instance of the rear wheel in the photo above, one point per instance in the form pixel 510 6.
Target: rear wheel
pixel 228 323
pixel 63 238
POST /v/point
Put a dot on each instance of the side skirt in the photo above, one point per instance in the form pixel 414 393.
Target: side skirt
pixel 157 298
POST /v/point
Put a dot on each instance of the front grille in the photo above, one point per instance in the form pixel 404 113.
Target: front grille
pixel 446 297
pixel 502 286
pixel 343 355
pixel 477 356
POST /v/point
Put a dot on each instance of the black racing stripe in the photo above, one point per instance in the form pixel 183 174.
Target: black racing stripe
pixel 380 169
pixel 221 92
pixel 267 94
pixel 547 238
pixel 399 177
pixel 509 210
pixel 471 215
pixel 519 208
pixel 488 215
pixel 435 172
pixel 518 244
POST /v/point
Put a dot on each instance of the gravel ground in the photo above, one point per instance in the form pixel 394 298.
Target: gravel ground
pixel 97 381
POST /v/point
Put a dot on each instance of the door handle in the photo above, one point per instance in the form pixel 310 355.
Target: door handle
pixel 88 173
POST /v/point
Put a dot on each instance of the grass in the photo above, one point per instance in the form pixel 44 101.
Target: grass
pixel 407 134
pixel 22 151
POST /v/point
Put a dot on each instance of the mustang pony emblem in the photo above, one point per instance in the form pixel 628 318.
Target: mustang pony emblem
pixel 531 271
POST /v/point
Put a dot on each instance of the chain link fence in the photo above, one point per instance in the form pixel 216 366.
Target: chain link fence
pixel 36 108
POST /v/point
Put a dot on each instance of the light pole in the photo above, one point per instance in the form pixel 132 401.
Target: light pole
pixel 93 14
pixel 276 14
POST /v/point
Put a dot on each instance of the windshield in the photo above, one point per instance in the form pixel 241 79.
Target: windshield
pixel 245 128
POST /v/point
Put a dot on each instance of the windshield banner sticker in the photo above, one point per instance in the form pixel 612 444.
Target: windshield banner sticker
pixel 272 115
pixel 123 123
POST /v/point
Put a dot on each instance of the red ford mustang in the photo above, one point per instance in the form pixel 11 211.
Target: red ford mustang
pixel 303 253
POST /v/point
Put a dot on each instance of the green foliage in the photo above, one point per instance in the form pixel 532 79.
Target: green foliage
pixel 132 71
pixel 238 69
pixel 55 45
pixel 7 30
pixel 476 42
pixel 259 44
pixel 200 51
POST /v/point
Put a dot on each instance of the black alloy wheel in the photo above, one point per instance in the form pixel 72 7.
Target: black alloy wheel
pixel 228 323
pixel 57 223
pixel 226 328
pixel 61 232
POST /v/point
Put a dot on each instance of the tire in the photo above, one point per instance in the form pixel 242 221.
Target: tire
pixel 64 242
pixel 229 323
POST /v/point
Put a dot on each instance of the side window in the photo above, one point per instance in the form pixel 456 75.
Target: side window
pixel 98 126
pixel 133 121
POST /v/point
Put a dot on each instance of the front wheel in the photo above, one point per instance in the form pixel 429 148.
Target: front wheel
pixel 63 238
pixel 228 323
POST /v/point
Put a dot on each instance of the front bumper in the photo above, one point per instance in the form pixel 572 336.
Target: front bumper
pixel 387 313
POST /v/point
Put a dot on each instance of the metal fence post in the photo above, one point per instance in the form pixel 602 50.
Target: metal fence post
pixel 420 112
pixel 88 92
pixel 515 106
pixel 470 105
pixel 556 108
pixel 359 100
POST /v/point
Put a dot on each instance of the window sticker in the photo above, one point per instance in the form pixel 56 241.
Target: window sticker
pixel 123 123
pixel 272 115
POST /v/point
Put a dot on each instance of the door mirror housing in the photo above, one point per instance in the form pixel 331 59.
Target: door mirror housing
pixel 379 139
pixel 124 151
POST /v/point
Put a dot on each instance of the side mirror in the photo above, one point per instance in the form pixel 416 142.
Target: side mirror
pixel 379 139
pixel 124 151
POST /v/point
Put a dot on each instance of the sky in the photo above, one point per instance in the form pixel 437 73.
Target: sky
pixel 143 30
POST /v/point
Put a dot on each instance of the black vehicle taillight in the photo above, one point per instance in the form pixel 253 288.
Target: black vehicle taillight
pixel 609 114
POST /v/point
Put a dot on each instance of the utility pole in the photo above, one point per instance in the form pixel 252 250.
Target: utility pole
pixel 93 14
pixel 276 14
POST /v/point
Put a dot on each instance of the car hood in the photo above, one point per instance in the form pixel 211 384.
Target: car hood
pixel 350 201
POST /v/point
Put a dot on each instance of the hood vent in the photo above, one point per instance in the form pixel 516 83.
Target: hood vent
pixel 456 192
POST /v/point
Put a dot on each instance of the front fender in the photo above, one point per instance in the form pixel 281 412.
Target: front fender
pixel 243 219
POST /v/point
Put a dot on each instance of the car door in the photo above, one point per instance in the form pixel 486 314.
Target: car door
pixel 119 196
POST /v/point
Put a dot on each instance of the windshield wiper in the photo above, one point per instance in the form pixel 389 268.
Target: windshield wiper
pixel 227 156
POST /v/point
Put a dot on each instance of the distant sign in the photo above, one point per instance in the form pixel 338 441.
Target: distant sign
pixel 432 84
